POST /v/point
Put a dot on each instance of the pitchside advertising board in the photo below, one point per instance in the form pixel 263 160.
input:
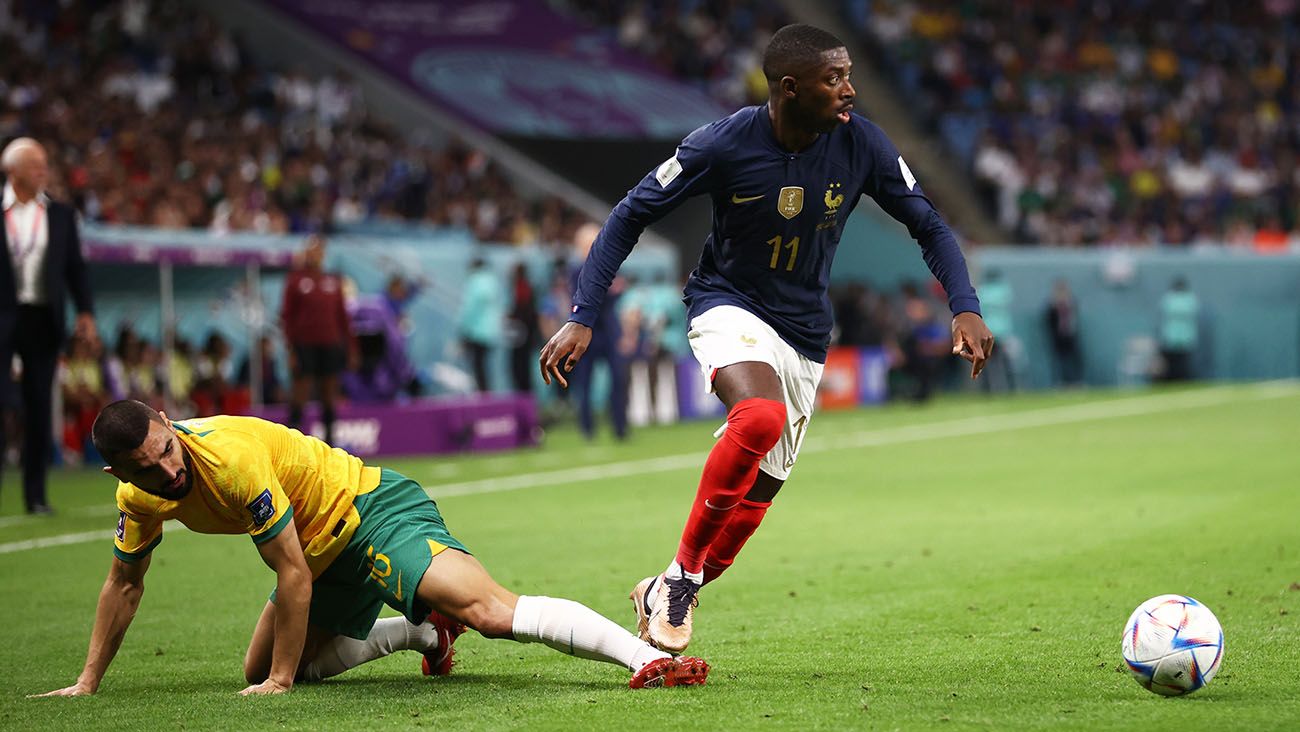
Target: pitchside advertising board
pixel 510 67
pixel 426 427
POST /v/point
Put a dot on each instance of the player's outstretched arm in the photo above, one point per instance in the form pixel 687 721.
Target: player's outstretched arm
pixel 565 348
pixel 972 340
pixel 118 601
pixel 292 600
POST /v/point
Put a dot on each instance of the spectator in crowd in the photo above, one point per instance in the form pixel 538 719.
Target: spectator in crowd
pixel 215 391
pixel 607 346
pixel 384 370
pixel 84 388
pixel 1180 312
pixel 133 369
pixel 318 332
pixel 1062 316
pixel 479 323
pixel 523 329
pixel 272 391
pixel 925 343
pixel 43 267
pixel 180 379
pixel 398 294
pixel 650 310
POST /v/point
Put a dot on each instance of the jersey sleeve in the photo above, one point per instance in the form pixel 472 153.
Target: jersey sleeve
pixel 892 186
pixel 254 489
pixel 687 173
pixel 136 536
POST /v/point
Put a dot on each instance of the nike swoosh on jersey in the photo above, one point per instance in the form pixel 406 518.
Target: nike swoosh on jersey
pixel 737 198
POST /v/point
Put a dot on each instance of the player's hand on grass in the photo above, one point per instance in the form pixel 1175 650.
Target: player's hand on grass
pixel 270 686
pixel 565 348
pixel 77 689
pixel 972 341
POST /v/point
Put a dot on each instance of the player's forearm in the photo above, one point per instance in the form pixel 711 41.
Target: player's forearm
pixel 948 265
pixel 607 255
pixel 292 600
pixel 118 601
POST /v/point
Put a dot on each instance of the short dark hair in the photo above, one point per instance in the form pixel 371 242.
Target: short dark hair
pixel 795 49
pixel 121 427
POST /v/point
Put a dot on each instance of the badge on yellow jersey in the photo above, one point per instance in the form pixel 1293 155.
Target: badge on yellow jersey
pixel 262 507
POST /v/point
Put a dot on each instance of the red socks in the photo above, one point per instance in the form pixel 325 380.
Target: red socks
pixel 753 428
pixel 722 552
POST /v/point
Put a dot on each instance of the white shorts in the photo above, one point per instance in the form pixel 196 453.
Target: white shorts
pixel 725 335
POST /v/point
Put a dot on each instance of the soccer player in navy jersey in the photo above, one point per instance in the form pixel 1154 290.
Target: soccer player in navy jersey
pixel 783 177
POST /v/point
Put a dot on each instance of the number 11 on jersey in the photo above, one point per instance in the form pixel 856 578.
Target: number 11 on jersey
pixel 792 245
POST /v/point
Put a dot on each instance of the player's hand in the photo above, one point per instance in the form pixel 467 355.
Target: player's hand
pixel 270 686
pixel 565 347
pixel 972 341
pixel 77 689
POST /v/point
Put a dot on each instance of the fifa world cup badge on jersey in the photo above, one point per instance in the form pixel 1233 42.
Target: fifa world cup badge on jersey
pixel 789 202
pixel 262 508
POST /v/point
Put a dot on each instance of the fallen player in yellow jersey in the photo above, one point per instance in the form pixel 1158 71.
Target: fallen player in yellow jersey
pixel 343 539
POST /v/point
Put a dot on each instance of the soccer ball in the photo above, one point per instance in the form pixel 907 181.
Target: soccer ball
pixel 1173 645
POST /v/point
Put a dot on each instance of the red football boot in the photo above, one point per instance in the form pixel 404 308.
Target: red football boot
pixel 438 660
pixel 675 671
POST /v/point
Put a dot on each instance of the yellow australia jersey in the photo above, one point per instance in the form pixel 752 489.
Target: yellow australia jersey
pixel 250 476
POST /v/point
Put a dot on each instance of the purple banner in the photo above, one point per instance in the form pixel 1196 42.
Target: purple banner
pixel 511 66
pixel 426 427
pixel 693 398
pixel 208 256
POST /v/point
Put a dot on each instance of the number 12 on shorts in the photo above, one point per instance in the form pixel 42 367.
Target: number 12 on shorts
pixel 777 244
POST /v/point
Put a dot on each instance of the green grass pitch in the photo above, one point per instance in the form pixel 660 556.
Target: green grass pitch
pixel 964 565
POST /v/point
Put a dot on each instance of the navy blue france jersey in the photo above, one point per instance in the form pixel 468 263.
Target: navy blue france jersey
pixel 777 219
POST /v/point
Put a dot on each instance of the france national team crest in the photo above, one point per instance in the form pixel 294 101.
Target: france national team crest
pixel 262 508
pixel 789 202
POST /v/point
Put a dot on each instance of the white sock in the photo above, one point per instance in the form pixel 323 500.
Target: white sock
pixel 577 630
pixel 675 571
pixel 388 634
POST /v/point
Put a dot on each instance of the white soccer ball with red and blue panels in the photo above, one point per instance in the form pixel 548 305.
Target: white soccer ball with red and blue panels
pixel 1173 645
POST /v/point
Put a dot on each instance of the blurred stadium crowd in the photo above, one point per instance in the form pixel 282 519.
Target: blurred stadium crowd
pixel 155 116
pixel 1139 122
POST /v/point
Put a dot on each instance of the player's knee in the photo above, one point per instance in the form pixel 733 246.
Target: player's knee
pixel 756 424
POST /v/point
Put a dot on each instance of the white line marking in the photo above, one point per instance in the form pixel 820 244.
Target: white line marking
pixel 48 541
pixel 80 538
pixel 1049 416
pixel 83 511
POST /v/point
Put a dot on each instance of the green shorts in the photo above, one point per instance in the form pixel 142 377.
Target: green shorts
pixel 401 531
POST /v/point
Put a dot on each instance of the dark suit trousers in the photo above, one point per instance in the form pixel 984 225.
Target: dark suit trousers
pixel 36 341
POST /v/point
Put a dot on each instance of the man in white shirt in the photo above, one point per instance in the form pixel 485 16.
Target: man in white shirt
pixel 43 267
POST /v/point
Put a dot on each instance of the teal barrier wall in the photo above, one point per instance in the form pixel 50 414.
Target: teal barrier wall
pixel 1250 304
pixel 1250 307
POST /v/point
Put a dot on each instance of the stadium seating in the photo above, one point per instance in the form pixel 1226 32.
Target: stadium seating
pixel 161 118
pixel 1109 123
